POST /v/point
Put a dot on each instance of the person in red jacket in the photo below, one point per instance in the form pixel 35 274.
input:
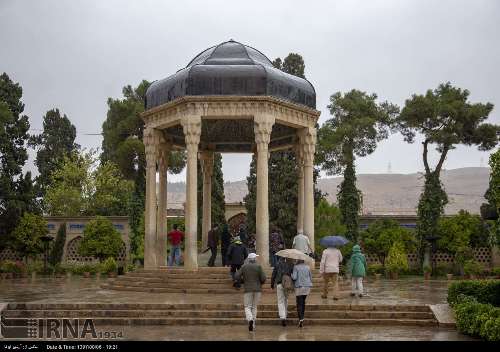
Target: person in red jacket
pixel 175 238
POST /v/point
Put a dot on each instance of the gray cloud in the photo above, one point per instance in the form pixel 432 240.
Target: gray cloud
pixel 75 54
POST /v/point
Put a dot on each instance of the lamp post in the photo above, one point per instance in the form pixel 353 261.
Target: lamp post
pixel 46 240
pixel 432 239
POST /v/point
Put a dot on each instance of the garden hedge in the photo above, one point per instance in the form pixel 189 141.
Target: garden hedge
pixel 477 319
pixel 484 291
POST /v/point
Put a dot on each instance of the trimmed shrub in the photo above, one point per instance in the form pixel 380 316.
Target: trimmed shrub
pixel 471 267
pixel 397 259
pixel 375 269
pixel 108 266
pixel 484 291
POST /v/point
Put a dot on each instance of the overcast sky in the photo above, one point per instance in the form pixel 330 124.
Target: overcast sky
pixel 73 55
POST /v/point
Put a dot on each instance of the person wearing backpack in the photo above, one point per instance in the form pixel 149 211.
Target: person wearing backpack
pixel 282 280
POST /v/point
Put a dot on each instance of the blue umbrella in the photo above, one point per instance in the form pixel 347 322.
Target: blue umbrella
pixel 333 241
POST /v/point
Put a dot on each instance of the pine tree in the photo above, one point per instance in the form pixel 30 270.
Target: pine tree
pixel 16 190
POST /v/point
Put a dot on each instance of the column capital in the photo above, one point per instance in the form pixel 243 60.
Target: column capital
pixel 191 126
pixel 151 141
pixel 263 126
pixel 307 140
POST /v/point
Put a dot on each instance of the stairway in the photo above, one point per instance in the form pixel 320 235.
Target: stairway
pixel 217 314
pixel 177 280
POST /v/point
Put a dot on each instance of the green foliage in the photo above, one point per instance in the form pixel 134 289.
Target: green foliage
pixel 358 123
pixel 462 230
pixel 27 235
pixel 495 271
pixel 427 269
pixel 108 266
pixel 445 118
pixel 375 269
pixel 55 142
pixel 471 267
pixel 484 291
pixel 349 199
pixel 326 222
pixel 130 267
pixel 381 235
pixel 35 266
pixel 8 266
pixel 17 194
pixel 397 259
pixel 100 239
pixel 477 319
pixel 81 187
pixel 57 250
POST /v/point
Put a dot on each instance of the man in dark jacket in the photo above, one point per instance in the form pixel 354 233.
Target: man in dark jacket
pixel 225 241
pixel 236 255
pixel 283 267
pixel 212 243
pixel 252 276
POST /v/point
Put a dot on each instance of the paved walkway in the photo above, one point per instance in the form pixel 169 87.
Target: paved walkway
pixel 77 289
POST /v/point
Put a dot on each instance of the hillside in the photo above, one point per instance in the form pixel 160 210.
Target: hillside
pixel 383 193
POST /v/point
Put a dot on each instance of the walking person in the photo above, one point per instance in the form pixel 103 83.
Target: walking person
pixel 236 255
pixel 329 268
pixel 276 243
pixel 213 243
pixel 282 279
pixel 302 277
pixel 242 234
pixel 252 276
pixel 357 269
pixel 225 241
pixel 301 243
pixel 175 238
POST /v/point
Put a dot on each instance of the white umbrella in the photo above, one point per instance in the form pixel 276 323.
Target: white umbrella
pixel 293 254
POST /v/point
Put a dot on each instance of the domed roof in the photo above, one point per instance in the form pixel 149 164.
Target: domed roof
pixel 231 68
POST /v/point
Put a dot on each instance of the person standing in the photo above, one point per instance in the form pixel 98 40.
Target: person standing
pixel 357 269
pixel 242 234
pixel 301 243
pixel 329 268
pixel 252 243
pixel 302 277
pixel 225 241
pixel 276 243
pixel 253 277
pixel 236 255
pixel 213 243
pixel 282 280
pixel 175 238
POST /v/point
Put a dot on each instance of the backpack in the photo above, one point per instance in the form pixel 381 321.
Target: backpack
pixel 287 283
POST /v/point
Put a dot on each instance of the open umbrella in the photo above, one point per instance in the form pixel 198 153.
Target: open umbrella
pixel 293 254
pixel 333 241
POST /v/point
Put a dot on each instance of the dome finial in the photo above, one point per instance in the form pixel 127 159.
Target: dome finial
pixel 231 40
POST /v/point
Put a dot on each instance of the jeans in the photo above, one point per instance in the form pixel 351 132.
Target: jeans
pixel 274 258
pixel 211 261
pixel 175 254
pixel 301 306
pixel 250 301
pixel 326 279
pixel 282 301
pixel 357 285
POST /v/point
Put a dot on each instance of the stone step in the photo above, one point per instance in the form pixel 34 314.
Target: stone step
pixel 240 321
pixel 313 314
pixel 211 306
pixel 201 279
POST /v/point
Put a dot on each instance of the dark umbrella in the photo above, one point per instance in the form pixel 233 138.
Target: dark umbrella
pixel 333 241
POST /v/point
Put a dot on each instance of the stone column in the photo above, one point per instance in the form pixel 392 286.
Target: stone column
pixel 161 220
pixel 263 125
pixel 299 156
pixel 308 142
pixel 207 165
pixel 150 145
pixel 192 131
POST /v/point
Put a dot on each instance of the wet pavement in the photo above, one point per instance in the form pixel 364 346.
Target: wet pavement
pixel 77 289
pixel 289 333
